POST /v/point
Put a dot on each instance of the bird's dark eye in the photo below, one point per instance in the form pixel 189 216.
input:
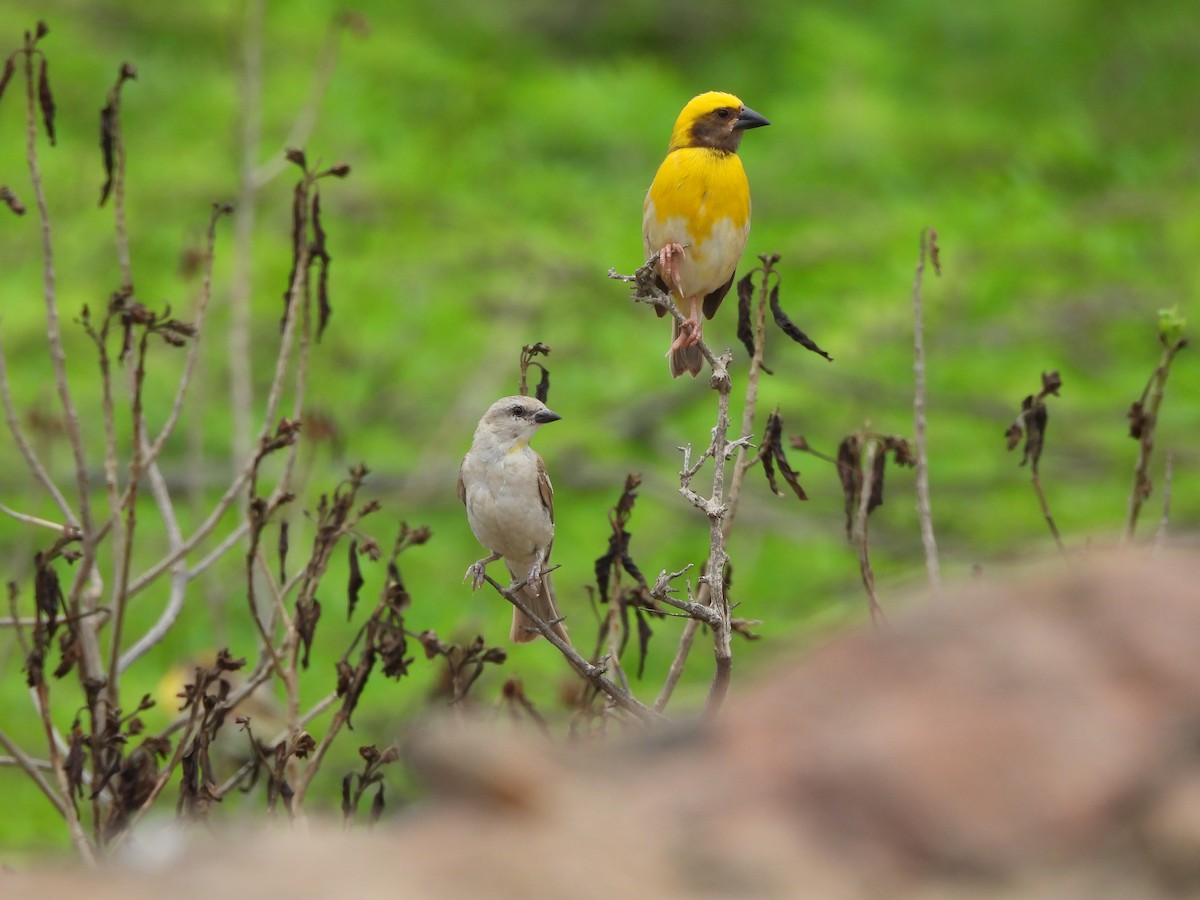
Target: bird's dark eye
pixel 517 410
pixel 724 112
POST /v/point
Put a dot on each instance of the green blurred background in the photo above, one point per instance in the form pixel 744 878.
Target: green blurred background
pixel 500 153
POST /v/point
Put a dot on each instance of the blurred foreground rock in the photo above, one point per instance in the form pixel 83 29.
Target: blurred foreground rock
pixel 1030 740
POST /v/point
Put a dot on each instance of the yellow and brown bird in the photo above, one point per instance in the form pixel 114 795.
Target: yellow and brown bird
pixel 697 215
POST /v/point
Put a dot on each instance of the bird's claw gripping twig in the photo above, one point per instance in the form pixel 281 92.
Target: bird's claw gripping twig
pixel 476 571
pixel 689 336
pixel 533 580
pixel 668 263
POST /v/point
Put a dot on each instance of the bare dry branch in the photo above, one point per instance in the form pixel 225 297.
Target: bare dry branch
pixel 924 510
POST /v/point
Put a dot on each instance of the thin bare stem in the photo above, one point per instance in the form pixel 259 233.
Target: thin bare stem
pixel 53 332
pixel 40 523
pixel 241 397
pixel 594 674
pixel 180 576
pixel 924 510
pixel 33 768
pixel 189 367
pixel 715 506
pixel 274 396
pixel 120 598
pixel 753 377
pixel 241 774
pixel 686 639
pixel 26 449
pixel 1036 480
pixel 82 845
pixel 1160 534
pixel 253 176
pixel 861 532
pixel 718 555
pixel 1150 406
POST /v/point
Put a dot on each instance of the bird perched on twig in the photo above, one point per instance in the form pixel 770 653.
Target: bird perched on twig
pixel 510 506
pixel 696 217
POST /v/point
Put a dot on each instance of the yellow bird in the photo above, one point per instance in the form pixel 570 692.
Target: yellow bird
pixel 696 217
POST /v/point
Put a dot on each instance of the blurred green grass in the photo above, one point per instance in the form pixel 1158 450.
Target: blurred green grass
pixel 500 154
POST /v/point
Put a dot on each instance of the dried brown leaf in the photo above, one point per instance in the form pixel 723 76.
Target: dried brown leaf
pixel 71 652
pixel 745 332
pixel 46 100
pixel 9 199
pixel 347 803
pixel 284 531
pixel 6 77
pixel 377 806
pixel 1013 435
pixel 790 329
pixel 356 580
pixel 1137 420
pixel 878 467
pixel 320 254
pixel 299 210
pixel 308 612
pixel 644 633
pixel 107 148
pixel 1051 382
pixel 849 463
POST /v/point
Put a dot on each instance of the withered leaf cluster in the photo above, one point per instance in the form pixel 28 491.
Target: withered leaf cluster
pixel 745 292
pixel 608 568
pixel 771 453
pixel 354 785
pixel 464 663
pixel 518 704
pixel 130 778
pixel 383 637
pixel 1031 421
pixel 529 354
pixel 45 97
pixel 132 315
pixel 50 611
pixel 110 128
pixel 275 762
pixel 309 250
pixel 851 470
pixel 336 517
pixel 207 700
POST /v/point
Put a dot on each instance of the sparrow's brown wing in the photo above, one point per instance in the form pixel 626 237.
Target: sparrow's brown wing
pixel 545 489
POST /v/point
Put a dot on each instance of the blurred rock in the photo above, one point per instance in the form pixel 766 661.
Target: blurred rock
pixel 1040 739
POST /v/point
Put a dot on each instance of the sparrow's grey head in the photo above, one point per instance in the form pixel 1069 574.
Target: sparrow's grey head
pixel 517 418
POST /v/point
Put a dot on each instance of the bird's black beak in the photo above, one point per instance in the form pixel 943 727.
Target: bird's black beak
pixel 542 416
pixel 749 119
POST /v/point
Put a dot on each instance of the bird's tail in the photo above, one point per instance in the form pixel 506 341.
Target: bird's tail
pixel 684 359
pixel 544 607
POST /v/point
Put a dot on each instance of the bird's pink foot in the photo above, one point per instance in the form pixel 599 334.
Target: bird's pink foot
pixel 533 580
pixel 688 336
pixel 475 571
pixel 668 263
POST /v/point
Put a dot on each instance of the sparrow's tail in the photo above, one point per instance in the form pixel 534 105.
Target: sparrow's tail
pixel 684 359
pixel 542 606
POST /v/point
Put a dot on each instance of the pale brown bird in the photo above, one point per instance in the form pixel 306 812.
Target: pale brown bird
pixel 510 506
